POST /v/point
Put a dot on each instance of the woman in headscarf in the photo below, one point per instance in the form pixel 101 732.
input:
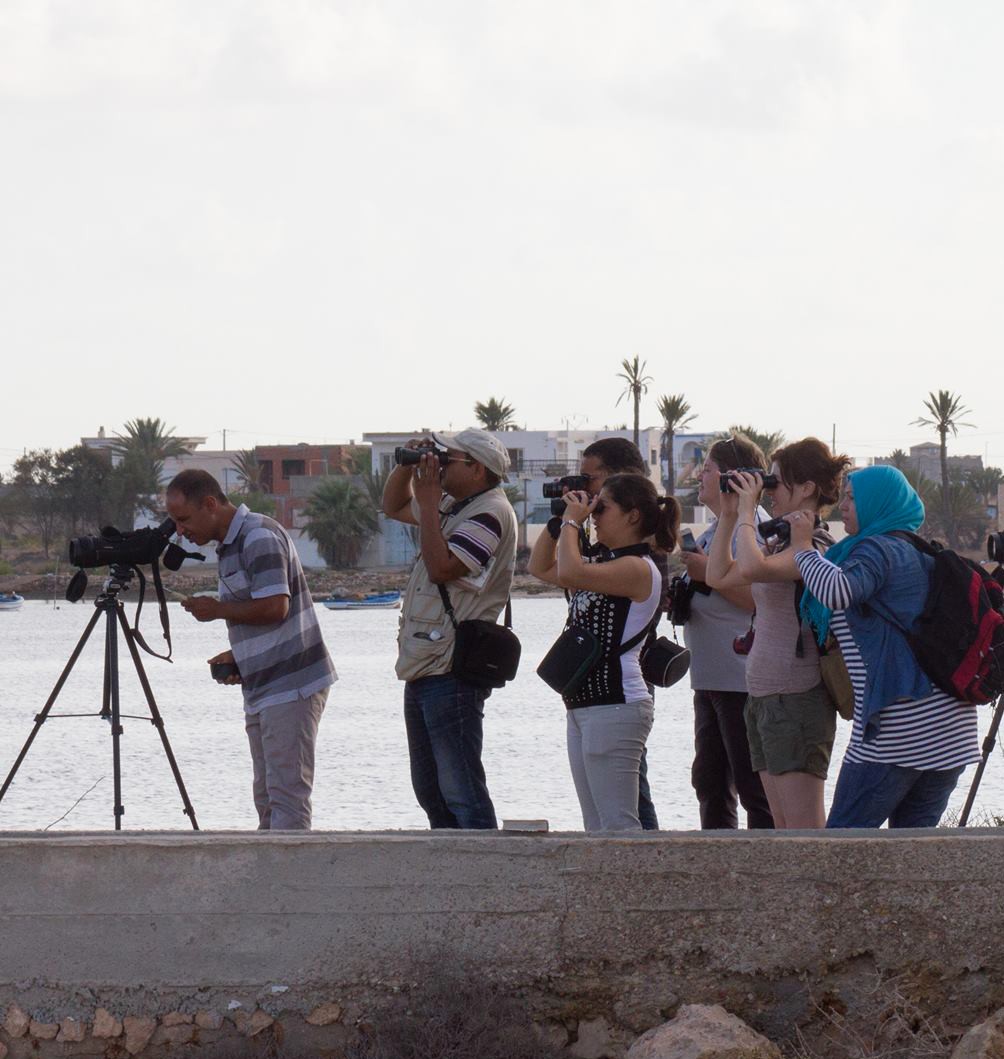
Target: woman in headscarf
pixel 910 742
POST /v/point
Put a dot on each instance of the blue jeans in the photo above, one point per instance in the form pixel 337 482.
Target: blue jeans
pixel 443 718
pixel 869 793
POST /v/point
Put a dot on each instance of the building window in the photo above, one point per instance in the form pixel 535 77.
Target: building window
pixel 515 459
pixel 386 462
pixel 653 456
pixel 293 468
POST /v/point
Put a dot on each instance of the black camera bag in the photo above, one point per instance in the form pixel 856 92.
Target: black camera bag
pixel 663 662
pixel 567 664
pixel 485 653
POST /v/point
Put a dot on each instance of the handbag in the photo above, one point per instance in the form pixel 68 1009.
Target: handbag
pixel 836 679
pixel 663 662
pixel 567 664
pixel 485 653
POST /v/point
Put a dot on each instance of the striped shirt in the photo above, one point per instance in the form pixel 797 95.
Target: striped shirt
pixel 287 660
pixel 936 732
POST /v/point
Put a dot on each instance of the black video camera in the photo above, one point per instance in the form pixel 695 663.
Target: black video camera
pixel 554 491
pixel 769 481
pixel 405 457
pixel 780 529
pixel 130 548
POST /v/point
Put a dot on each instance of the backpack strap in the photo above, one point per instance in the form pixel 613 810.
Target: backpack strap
pixel 799 592
pixel 445 596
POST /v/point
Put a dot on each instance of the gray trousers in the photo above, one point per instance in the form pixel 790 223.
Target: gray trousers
pixel 282 739
pixel 605 745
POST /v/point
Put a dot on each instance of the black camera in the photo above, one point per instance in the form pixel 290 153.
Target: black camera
pixel 681 592
pixel 770 481
pixel 554 491
pixel 571 482
pixel 995 547
pixel 130 548
pixel 780 529
pixel 405 457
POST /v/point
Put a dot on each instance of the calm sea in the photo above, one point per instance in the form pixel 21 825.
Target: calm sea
pixel 362 778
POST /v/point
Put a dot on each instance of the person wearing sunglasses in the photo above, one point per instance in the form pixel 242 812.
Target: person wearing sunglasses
pixel 615 595
pixel 790 718
pixel 467 533
pixel 722 774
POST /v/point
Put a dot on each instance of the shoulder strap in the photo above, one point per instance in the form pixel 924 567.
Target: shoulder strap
pixel 638 637
pixel 445 596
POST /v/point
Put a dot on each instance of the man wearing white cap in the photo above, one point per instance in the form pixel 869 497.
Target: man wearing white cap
pixel 467 531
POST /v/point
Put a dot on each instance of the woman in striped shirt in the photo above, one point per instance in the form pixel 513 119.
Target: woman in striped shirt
pixel 909 742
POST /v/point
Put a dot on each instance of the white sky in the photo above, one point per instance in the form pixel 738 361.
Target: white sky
pixel 300 220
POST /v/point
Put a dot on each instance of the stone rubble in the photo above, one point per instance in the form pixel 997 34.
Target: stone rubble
pixel 703 1031
pixel 984 1041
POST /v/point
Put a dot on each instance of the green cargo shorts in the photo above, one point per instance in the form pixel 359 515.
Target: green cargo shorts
pixel 791 733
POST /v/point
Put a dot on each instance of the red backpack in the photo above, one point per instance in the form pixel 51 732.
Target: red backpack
pixel 958 638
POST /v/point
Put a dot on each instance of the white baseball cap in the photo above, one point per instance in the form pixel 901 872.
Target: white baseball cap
pixel 480 445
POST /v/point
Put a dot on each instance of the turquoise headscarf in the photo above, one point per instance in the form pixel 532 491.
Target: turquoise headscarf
pixel 884 501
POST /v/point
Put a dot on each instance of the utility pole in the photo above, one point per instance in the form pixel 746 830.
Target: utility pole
pixel 833 446
pixel 224 439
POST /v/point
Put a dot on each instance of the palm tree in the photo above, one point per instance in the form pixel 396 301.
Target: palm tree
pixel 144 446
pixel 676 414
pixel 341 520
pixel 495 414
pixel 249 471
pixel 637 384
pixel 898 458
pixel 945 414
pixel 984 483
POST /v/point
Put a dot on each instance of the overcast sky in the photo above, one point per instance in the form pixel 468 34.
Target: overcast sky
pixel 301 220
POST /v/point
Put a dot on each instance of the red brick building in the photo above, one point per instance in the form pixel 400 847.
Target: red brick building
pixel 287 472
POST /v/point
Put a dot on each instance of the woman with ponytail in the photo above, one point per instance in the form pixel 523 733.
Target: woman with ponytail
pixel 616 596
pixel 909 741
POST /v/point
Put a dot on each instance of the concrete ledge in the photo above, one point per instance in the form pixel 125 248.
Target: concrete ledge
pixel 624 927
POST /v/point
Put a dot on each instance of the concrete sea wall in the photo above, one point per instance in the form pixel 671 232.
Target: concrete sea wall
pixel 144 943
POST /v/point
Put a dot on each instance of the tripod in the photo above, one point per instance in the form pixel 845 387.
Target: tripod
pixel 109 604
pixel 988 745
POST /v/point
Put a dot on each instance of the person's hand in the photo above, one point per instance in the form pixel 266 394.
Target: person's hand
pixel 226 657
pixel 802 523
pixel 729 508
pixel 746 488
pixel 202 608
pixel 578 505
pixel 427 484
pixel 696 564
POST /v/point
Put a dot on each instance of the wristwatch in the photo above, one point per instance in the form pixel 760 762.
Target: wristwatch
pixel 570 522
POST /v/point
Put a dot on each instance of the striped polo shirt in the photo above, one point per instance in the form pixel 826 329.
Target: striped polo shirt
pixel 287 660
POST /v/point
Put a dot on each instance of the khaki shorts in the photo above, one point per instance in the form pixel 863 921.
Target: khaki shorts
pixel 791 733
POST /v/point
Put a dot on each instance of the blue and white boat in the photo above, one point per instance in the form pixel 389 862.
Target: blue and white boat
pixel 377 600
pixel 10 601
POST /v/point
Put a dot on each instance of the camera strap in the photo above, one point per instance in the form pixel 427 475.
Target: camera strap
pixel 162 603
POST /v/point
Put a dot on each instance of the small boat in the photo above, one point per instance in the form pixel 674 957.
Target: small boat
pixel 378 600
pixel 10 601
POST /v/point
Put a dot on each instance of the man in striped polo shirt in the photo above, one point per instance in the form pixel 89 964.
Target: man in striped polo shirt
pixel 275 641
pixel 467 531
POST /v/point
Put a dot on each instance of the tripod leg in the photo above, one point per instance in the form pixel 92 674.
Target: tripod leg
pixel 156 719
pixel 40 718
pixel 988 745
pixel 112 695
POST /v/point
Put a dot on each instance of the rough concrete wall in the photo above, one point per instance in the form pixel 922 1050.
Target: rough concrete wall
pixel 623 929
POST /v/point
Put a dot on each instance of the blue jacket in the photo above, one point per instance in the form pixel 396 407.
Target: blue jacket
pixel 888 578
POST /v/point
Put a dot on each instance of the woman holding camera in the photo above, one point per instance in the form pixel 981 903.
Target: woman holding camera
pixel 722 775
pixel 615 597
pixel 910 741
pixel 790 718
